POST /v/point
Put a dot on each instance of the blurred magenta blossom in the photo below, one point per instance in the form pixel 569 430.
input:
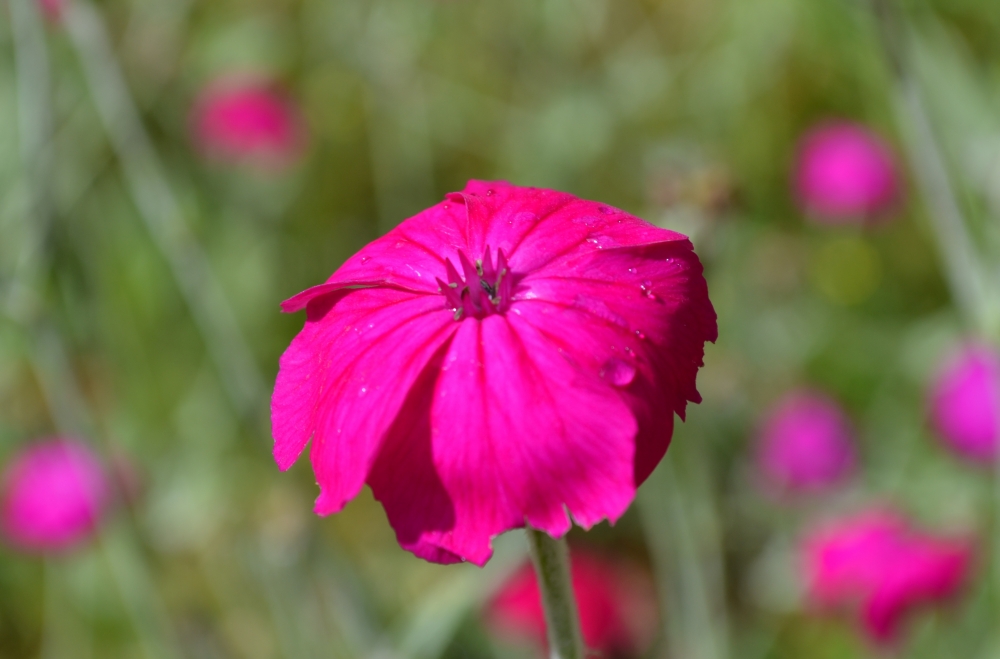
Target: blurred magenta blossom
pixel 244 119
pixel 806 443
pixel 509 356
pixel 874 562
pixel 844 173
pixel 52 9
pixel 604 602
pixel 53 495
pixel 965 401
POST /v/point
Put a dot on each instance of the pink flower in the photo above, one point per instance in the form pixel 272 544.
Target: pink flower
pixel 53 495
pixel 965 401
pixel 509 356
pixel 52 9
pixel 244 119
pixel 874 561
pixel 806 443
pixel 845 174
pixel 604 604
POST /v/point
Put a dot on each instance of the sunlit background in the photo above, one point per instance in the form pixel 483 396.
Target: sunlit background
pixel 171 170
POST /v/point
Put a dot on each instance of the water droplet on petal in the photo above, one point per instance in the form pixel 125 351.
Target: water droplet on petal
pixel 632 271
pixel 647 289
pixel 489 193
pixel 605 210
pixel 618 372
pixel 363 391
pixel 365 259
pixel 640 335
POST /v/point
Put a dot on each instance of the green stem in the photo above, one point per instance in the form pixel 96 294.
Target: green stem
pixel 974 294
pixel 680 522
pixel 551 560
pixel 160 209
pixel 962 265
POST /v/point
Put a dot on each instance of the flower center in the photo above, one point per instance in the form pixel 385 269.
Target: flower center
pixel 481 289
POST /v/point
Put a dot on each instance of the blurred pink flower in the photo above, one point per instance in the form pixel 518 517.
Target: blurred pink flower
pixel 845 174
pixel 52 9
pixel 245 119
pixel 965 401
pixel 877 563
pixel 604 603
pixel 509 356
pixel 52 496
pixel 806 443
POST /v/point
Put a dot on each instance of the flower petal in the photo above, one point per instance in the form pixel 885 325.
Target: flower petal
pixel 533 226
pixel 345 377
pixel 536 227
pixel 411 255
pixel 639 314
pixel 516 434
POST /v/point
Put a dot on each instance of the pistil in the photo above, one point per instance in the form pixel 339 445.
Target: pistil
pixel 482 288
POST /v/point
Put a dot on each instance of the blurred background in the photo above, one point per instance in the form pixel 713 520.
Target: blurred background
pixel 171 171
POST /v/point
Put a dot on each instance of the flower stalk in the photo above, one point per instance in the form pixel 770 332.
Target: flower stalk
pixel 551 560
pixel 962 266
pixel 160 210
pixel 974 294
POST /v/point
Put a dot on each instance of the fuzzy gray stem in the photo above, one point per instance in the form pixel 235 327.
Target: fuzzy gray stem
pixel 551 560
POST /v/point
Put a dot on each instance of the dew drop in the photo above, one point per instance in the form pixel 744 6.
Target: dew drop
pixel 629 351
pixel 647 289
pixel 640 335
pixel 365 259
pixel 363 391
pixel 618 372
pixel 632 271
pixel 489 193
pixel 605 210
